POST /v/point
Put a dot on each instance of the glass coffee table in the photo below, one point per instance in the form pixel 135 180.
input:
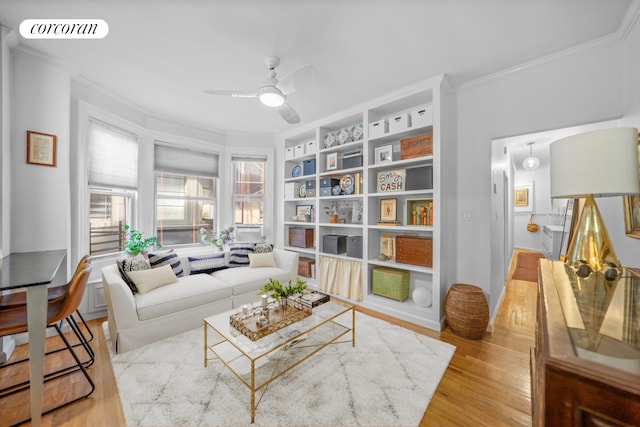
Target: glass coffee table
pixel 260 362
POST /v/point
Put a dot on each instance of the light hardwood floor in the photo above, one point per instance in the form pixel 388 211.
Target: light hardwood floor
pixel 487 382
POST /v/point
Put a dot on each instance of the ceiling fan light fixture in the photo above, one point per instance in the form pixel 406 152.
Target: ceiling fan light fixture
pixel 270 96
pixel 531 163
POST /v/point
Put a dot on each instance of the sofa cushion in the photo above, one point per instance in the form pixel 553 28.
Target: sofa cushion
pixel 132 263
pixel 262 260
pixel 245 279
pixel 169 256
pixel 148 280
pixel 189 291
pixel 239 254
pixel 207 264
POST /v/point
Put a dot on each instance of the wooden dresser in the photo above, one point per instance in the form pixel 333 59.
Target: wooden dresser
pixel 585 368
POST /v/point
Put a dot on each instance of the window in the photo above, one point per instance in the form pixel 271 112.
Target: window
pixel 113 179
pixel 248 190
pixel 185 194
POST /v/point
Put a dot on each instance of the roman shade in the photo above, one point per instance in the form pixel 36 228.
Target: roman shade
pixel 113 156
pixel 183 161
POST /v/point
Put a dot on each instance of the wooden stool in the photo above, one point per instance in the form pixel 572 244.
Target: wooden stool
pixel 467 311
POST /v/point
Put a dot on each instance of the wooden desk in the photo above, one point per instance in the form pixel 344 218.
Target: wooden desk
pixel 34 271
pixel 585 368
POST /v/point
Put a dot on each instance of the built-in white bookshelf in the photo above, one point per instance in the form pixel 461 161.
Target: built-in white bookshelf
pixel 328 143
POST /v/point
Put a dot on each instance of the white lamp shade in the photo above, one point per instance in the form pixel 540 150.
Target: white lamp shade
pixel 602 163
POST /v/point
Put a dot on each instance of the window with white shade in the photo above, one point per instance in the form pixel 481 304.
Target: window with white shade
pixel 186 188
pixel 113 182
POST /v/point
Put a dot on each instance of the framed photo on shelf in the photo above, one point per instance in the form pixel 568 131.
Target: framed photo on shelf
pixel 632 215
pixel 384 154
pixel 388 246
pixel 388 210
pixel 303 211
pixel 332 161
pixel 41 149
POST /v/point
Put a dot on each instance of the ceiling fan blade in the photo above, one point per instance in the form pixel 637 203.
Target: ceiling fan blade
pixel 232 93
pixel 288 114
pixel 297 78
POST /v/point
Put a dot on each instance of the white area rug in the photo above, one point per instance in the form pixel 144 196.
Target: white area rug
pixel 388 379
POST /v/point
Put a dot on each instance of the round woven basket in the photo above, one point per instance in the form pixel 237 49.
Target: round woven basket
pixel 467 311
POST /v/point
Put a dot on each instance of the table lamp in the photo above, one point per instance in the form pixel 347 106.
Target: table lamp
pixel 598 163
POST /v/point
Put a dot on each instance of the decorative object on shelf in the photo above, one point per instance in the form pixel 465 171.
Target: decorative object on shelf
pixel 336 190
pixel 604 163
pixel 419 178
pixel 309 167
pixel 343 136
pixel 302 191
pixel 352 160
pixel 391 180
pixel 422 117
pixel 135 244
pixel 416 146
pixel 303 212
pixel 390 282
pixel 326 186
pixel 41 149
pixel 531 163
pixel 357 131
pixel 388 211
pixel 296 171
pixel 348 189
pixel 422 297
pixel 416 250
pixel 419 211
pixel 382 257
pixel 354 246
pixel 399 122
pixel 332 161
pixel 384 154
pixel 329 139
pixel 379 128
pixel 532 226
pixel 334 244
pixel 467 311
pixel 632 215
pixel 388 246
pixel 345 182
pixel 301 237
pixel 332 211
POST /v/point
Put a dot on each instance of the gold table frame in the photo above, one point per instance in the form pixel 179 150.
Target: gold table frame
pixel 297 342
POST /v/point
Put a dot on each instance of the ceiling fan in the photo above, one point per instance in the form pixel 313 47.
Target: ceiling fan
pixel 273 92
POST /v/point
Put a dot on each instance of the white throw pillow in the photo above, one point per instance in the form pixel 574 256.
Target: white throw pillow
pixel 265 259
pixel 148 280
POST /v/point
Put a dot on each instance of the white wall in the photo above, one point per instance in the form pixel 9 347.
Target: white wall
pixel 40 195
pixel 585 86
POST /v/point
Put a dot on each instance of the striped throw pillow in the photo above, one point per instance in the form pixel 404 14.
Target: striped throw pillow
pixel 207 264
pixel 160 258
pixel 239 254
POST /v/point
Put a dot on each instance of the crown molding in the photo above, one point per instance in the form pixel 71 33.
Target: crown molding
pixel 36 55
pixel 619 36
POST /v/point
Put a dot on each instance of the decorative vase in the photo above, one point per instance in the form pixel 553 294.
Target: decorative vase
pixel 333 219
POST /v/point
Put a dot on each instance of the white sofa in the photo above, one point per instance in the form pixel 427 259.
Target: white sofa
pixel 136 320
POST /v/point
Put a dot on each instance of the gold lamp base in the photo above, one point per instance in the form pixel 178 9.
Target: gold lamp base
pixel 590 249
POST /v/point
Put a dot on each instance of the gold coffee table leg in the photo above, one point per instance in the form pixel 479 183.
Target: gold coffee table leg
pixel 253 393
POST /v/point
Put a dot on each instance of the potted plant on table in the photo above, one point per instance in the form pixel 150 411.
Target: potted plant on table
pixel 135 244
pixel 280 292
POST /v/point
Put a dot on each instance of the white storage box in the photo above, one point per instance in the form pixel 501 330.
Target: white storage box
pixel 298 150
pixel 422 117
pixel 290 190
pixel 399 123
pixel 378 128
pixel 310 147
pixel 288 153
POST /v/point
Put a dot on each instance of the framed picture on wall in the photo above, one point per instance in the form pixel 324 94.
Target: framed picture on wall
pixel 523 198
pixel 41 149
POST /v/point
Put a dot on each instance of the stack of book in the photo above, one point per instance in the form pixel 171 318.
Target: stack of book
pixel 312 299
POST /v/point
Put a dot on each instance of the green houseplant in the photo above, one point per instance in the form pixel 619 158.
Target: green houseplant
pixel 135 243
pixel 280 292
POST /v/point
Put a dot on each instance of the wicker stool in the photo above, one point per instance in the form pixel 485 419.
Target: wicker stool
pixel 467 311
